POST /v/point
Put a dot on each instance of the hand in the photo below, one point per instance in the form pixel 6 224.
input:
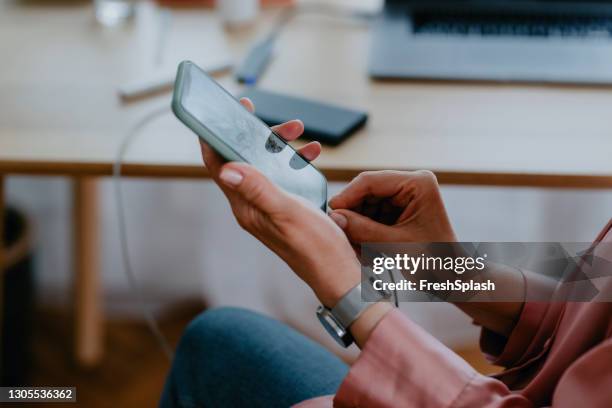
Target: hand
pixel 303 236
pixel 400 206
pixel 392 206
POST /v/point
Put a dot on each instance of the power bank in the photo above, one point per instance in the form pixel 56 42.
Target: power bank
pixel 329 124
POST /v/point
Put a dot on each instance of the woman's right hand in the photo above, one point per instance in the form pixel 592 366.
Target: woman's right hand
pixel 403 206
pixel 392 206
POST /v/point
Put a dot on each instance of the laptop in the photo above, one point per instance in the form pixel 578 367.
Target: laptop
pixel 494 40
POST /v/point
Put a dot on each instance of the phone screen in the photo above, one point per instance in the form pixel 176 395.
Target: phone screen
pixel 224 118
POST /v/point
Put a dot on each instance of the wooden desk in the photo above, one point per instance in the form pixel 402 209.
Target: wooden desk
pixel 60 115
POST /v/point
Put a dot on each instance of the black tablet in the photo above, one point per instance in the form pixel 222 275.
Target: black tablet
pixel 327 123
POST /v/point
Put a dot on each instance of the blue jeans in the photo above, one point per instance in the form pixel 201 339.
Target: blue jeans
pixel 232 357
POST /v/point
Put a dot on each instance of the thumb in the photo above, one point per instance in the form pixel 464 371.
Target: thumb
pixel 359 228
pixel 252 186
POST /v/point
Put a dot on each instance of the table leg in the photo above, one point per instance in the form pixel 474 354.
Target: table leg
pixel 89 334
pixel 2 208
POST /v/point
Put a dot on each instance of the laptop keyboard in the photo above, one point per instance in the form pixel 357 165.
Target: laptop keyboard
pixel 512 25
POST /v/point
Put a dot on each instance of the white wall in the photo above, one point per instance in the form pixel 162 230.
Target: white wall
pixel 184 243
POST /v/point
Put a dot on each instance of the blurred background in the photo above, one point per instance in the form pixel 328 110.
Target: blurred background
pixel 74 75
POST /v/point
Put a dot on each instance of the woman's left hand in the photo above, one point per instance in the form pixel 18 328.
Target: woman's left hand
pixel 303 236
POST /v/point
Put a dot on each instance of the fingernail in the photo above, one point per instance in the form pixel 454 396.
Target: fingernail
pixel 231 177
pixel 339 219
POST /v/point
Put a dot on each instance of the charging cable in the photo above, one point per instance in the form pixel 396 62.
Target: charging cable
pixel 259 55
pixel 149 318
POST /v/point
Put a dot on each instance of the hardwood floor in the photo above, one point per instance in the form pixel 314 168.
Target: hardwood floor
pixel 134 368
pixel 132 372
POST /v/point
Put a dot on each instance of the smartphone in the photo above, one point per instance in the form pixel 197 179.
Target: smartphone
pixel 238 135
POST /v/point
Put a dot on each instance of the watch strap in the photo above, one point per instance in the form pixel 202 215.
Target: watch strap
pixel 354 303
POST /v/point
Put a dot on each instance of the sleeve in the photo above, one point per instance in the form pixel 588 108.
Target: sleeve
pixel 403 365
pixel 586 383
pixel 530 336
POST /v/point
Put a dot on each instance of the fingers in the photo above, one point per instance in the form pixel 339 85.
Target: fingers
pixel 244 180
pixel 311 151
pixel 371 183
pixel 248 104
pixel 252 186
pixel 359 228
pixel 289 130
pixel 212 160
pixel 292 130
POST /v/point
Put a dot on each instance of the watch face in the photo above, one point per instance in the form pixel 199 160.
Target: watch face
pixel 331 325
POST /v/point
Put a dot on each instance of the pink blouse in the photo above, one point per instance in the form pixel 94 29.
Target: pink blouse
pixel 558 354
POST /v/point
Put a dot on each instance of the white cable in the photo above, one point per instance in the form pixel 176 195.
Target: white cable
pixel 123 234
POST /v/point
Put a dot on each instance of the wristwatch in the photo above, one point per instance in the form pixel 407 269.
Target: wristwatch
pixel 338 319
